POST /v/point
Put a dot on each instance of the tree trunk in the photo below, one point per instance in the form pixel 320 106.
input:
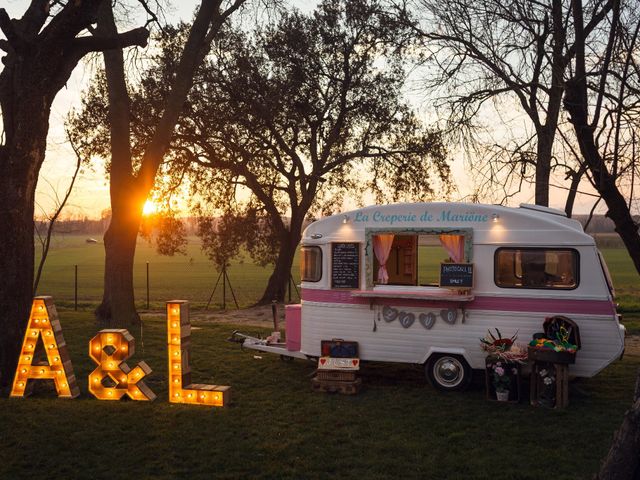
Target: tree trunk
pixel 543 166
pixel 21 157
pixel 16 256
pixel 576 178
pixel 118 308
pixel 623 460
pixel 277 284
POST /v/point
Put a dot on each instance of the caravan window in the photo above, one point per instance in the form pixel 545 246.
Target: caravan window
pixel 310 264
pixel 536 268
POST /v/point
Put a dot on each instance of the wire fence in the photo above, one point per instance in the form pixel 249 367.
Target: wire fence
pixel 81 285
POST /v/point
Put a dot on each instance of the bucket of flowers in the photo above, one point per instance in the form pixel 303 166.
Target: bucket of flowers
pixel 504 357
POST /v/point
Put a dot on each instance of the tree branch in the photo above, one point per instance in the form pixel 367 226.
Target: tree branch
pixel 137 36
pixel 8 28
pixel 33 19
pixel 46 242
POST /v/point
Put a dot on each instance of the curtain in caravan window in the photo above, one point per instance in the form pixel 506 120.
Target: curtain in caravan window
pixel 382 248
pixel 454 245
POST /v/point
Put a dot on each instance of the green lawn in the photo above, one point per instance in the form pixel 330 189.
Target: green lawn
pixel 277 428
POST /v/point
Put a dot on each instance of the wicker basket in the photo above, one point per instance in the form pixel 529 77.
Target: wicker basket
pixel 551 356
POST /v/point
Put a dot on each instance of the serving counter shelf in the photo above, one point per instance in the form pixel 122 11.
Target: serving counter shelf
pixel 437 295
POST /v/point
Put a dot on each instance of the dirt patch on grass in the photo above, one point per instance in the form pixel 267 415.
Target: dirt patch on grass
pixel 632 345
pixel 261 316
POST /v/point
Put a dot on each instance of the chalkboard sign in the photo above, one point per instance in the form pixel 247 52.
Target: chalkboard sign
pixel 456 275
pixel 345 265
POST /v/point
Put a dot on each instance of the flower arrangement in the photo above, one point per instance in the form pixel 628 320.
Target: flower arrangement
pixel 505 349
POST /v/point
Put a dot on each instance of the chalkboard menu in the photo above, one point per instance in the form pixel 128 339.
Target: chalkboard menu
pixel 456 275
pixel 345 265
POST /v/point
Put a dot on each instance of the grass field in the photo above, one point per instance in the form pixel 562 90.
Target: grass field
pixel 277 428
pixel 192 276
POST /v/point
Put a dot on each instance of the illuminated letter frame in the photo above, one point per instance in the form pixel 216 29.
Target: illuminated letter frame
pixel 181 390
pixel 44 323
pixel 109 349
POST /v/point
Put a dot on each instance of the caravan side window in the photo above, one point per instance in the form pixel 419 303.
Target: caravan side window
pixel 310 264
pixel 536 268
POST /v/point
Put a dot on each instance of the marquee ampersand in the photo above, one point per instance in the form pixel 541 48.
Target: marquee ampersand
pixel 113 378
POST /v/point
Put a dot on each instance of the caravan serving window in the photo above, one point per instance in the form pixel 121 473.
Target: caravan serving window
pixel 413 257
pixel 543 268
pixel 310 264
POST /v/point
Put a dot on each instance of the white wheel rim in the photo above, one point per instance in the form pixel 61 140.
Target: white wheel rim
pixel 448 372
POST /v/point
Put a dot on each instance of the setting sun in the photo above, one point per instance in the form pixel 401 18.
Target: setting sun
pixel 149 208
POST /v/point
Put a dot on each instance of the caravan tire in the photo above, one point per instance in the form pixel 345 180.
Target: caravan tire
pixel 448 372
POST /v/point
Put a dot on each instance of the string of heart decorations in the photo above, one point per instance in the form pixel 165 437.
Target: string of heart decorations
pixel 406 319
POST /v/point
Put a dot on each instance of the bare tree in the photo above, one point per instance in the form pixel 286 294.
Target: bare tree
pixel 42 49
pixel 603 99
pixel 512 52
pixel 44 231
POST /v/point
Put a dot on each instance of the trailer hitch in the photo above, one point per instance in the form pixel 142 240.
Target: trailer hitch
pixel 237 337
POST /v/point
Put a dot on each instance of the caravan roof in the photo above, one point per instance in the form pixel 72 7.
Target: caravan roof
pixel 491 224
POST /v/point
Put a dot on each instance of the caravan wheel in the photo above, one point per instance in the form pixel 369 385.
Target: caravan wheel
pixel 448 372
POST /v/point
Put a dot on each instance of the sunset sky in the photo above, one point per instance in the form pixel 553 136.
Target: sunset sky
pixel 91 194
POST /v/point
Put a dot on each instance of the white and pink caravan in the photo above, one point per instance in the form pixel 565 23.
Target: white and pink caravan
pixel 421 283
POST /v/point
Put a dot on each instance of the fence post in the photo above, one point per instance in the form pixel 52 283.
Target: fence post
pixel 147 285
pixel 75 289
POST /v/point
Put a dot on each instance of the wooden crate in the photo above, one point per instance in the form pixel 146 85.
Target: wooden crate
pixel 336 386
pixel 514 390
pixel 555 395
pixel 339 375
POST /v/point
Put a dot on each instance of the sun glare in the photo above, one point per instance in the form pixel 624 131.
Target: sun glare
pixel 149 208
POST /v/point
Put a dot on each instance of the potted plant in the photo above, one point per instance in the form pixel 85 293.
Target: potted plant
pixel 501 380
pixel 504 357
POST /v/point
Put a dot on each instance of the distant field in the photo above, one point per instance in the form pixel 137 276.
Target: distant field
pixel 192 277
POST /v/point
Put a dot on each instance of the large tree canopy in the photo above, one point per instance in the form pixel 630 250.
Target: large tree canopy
pixel 297 113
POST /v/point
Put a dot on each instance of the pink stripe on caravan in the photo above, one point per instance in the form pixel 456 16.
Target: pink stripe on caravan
pixel 510 304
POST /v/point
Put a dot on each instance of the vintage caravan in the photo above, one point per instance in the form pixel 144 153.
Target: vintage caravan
pixel 421 283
